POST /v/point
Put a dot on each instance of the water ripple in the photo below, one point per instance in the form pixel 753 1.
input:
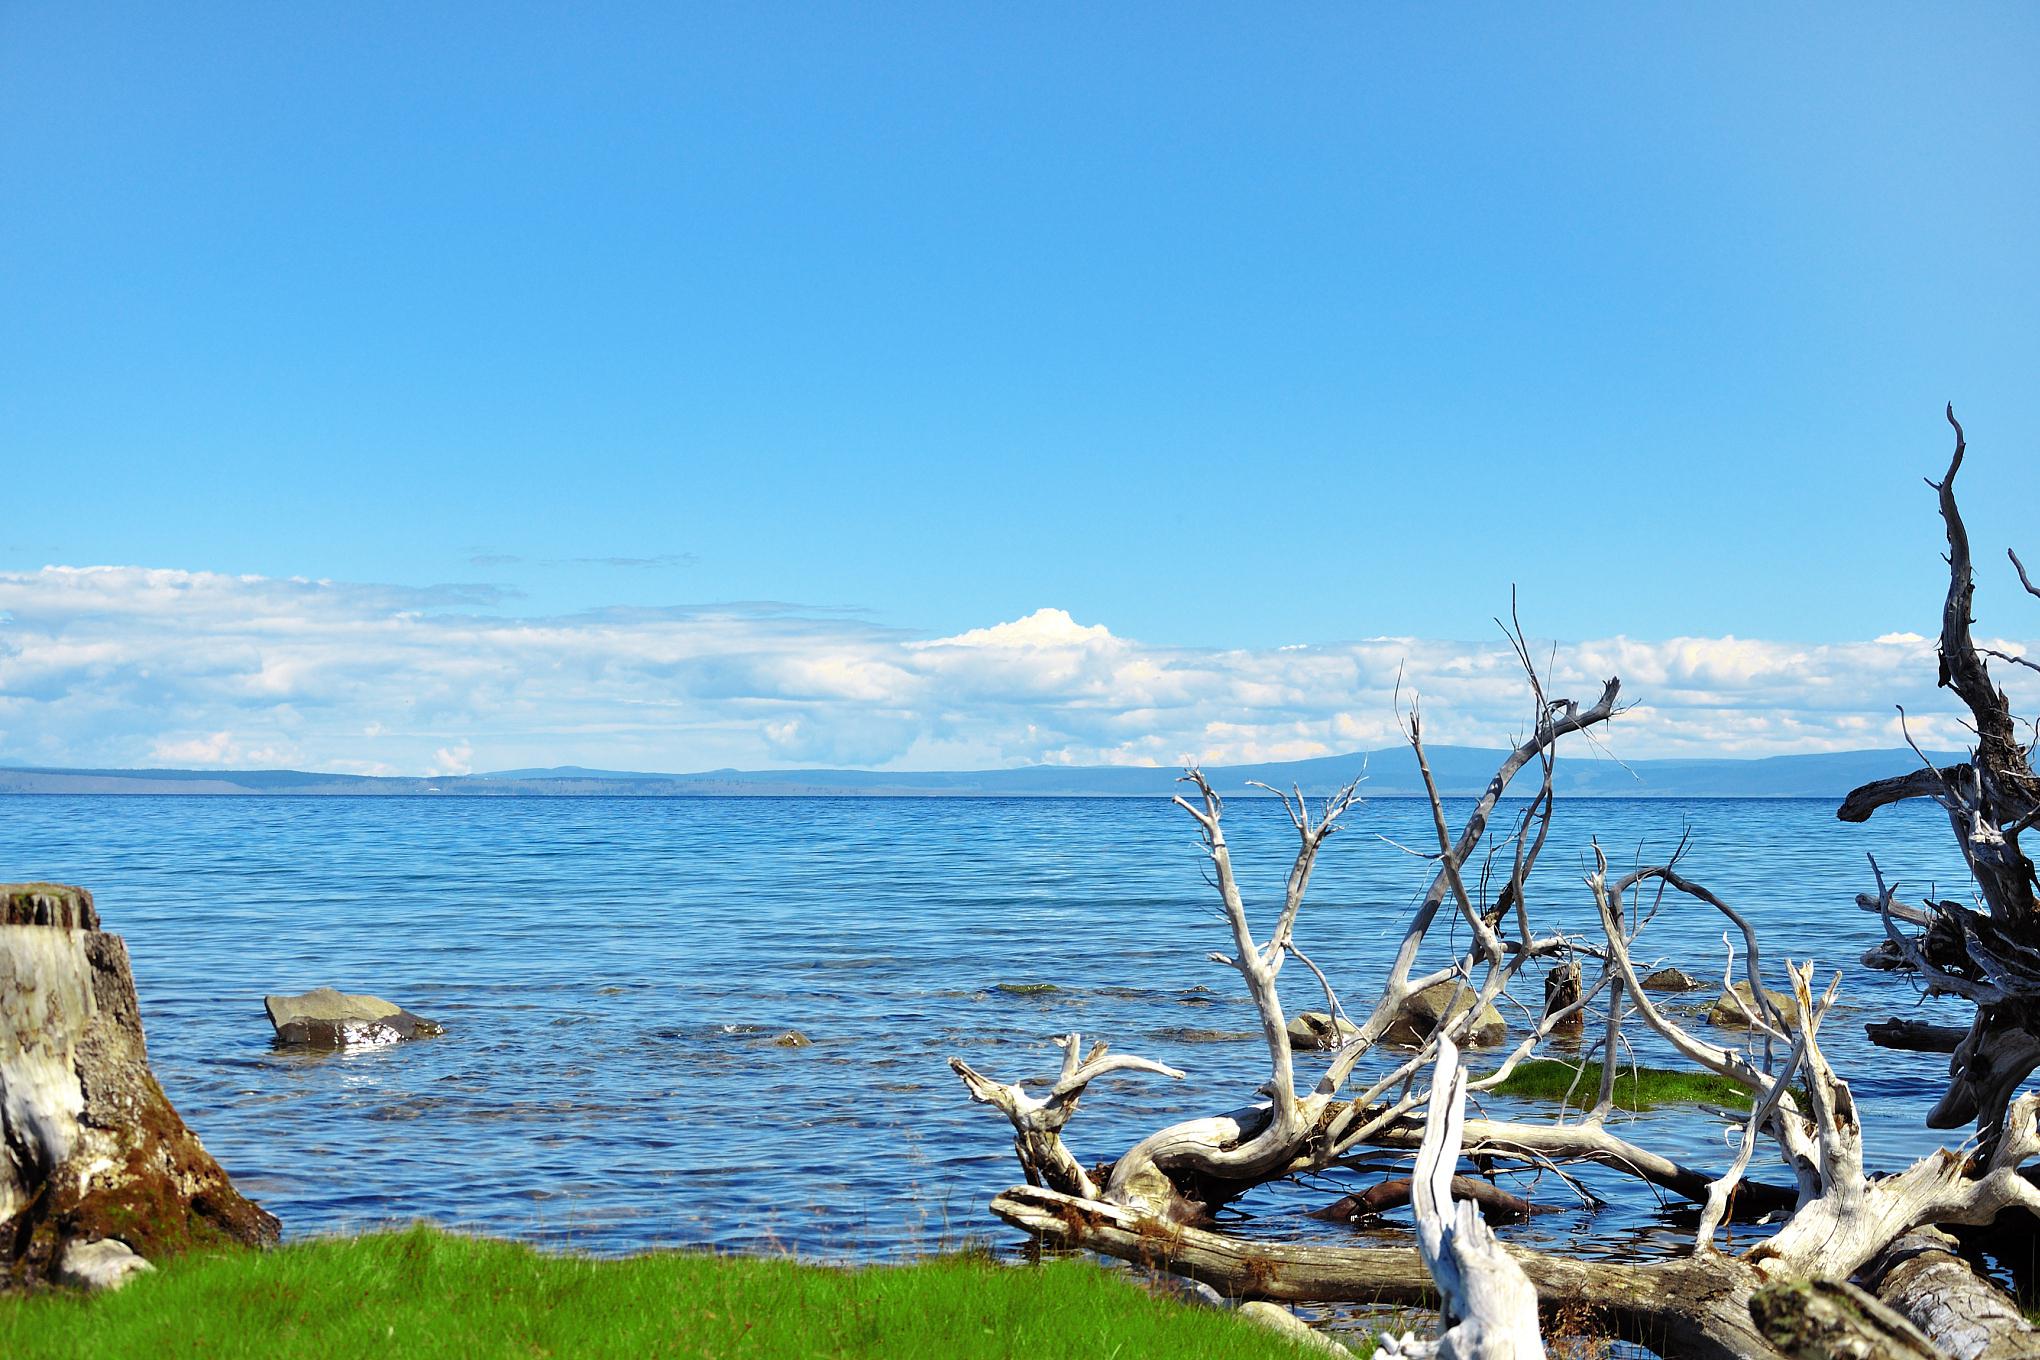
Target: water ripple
pixel 612 973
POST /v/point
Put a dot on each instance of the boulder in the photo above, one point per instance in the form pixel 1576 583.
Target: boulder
pixel 1319 1029
pixel 1671 980
pixel 105 1264
pixel 324 1018
pixel 1734 1007
pixel 94 1151
pixel 1426 1010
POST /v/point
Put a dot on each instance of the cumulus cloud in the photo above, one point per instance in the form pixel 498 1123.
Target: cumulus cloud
pixel 119 666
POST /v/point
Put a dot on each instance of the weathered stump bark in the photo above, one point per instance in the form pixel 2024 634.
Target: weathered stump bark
pixel 1562 1010
pixel 90 1148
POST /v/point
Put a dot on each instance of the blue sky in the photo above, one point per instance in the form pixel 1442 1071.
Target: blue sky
pixel 1218 334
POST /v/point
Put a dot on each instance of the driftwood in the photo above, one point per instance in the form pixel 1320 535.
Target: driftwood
pixel 1186 1172
pixel 1791 1292
pixel 1834 1320
pixel 1922 1276
pixel 1915 1035
pixel 1655 1305
pixel 1495 1203
pixel 1488 1307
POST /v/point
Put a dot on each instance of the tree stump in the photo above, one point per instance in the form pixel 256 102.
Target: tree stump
pixel 90 1148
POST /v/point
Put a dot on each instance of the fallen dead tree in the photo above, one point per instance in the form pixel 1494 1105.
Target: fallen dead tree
pixel 1782 1295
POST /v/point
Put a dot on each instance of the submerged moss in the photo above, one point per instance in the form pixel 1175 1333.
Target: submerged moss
pixel 1636 1088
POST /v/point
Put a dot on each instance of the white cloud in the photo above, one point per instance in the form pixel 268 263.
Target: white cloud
pixel 1044 628
pixel 124 665
pixel 220 749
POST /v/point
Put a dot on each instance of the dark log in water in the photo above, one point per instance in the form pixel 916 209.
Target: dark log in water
pixel 1915 1035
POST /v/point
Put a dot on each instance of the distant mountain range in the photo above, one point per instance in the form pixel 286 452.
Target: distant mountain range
pixel 1391 773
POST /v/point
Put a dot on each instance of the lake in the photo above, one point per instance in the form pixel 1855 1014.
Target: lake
pixel 612 973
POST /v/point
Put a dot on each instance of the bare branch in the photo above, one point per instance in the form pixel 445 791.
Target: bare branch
pixel 2024 579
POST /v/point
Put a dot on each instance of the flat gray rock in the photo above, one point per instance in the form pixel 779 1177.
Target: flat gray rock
pixel 325 1018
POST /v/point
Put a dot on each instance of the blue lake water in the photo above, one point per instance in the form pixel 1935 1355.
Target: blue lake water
pixel 612 971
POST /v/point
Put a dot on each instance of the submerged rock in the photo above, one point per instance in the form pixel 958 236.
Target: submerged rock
pixel 1220 1036
pixel 324 1018
pixel 1734 1008
pixel 1441 1001
pixel 94 1155
pixel 1318 1029
pixel 793 1038
pixel 1671 980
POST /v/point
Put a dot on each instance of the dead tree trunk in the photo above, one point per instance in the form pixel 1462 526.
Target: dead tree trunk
pixel 1991 957
pixel 92 1149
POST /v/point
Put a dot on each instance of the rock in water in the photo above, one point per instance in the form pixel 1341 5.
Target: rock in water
pixel 1318 1029
pixel 1422 1013
pixel 1671 980
pixel 93 1151
pixel 324 1018
pixel 1736 1008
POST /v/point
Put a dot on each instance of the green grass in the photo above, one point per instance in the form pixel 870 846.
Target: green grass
pixel 1636 1088
pixel 425 1293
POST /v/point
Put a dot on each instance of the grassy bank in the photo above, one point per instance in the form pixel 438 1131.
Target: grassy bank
pixel 425 1293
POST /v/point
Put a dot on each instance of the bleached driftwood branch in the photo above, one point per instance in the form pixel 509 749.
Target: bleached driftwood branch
pixel 1488 1305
